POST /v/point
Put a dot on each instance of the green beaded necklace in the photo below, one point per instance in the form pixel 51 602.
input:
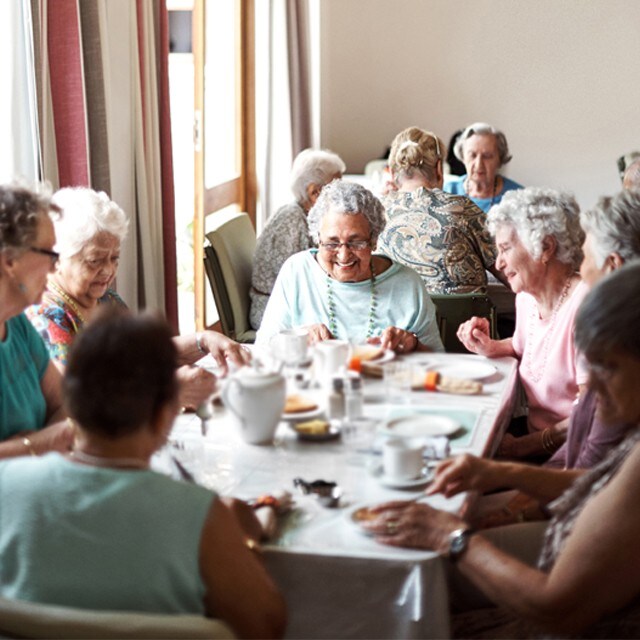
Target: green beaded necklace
pixel 333 328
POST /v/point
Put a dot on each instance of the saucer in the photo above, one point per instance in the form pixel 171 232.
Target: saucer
pixel 426 476
pixel 420 424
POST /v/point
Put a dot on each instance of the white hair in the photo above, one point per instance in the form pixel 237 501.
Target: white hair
pixel 614 225
pixel 314 166
pixel 483 129
pixel 85 213
pixel 534 214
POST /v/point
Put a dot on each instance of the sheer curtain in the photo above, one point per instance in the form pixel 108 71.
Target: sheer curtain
pixel 283 97
pixel 103 113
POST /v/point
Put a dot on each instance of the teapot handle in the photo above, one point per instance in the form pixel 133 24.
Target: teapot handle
pixel 227 401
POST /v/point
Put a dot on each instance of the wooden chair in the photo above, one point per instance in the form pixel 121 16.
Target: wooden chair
pixel 228 260
pixel 454 309
pixel 21 619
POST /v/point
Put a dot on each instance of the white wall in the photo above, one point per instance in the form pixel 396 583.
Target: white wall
pixel 559 77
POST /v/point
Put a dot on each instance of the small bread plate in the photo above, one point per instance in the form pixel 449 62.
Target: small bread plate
pixel 466 370
pixel 425 477
pixel 331 433
pixel 420 424
pixel 358 514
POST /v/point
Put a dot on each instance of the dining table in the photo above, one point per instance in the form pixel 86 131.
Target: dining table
pixel 339 582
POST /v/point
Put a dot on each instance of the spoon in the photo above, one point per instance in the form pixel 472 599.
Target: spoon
pixel 204 412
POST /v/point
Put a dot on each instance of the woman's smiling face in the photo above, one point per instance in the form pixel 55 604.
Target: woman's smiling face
pixel 346 264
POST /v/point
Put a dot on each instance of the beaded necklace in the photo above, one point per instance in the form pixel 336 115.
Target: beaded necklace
pixel 333 327
pixel 493 194
pixel 68 299
pixel 535 318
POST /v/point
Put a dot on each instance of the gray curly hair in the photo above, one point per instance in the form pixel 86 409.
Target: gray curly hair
pixel 483 129
pixel 314 166
pixel 536 213
pixel 349 198
pixel 21 209
pixel 614 225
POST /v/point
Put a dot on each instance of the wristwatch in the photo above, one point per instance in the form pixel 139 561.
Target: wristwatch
pixel 458 542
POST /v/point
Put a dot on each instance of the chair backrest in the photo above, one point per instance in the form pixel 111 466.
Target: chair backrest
pixel 454 309
pixel 228 259
pixel 20 619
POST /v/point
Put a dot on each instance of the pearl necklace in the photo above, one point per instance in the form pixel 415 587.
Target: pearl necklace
pixel 105 461
pixel 535 318
pixel 333 327
pixel 68 299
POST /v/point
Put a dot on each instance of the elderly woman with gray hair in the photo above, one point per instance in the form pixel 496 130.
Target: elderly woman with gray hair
pixel 538 237
pixel 342 289
pixel 287 231
pixel 484 150
pixel 88 234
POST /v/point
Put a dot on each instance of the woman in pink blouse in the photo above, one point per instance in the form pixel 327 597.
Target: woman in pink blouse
pixel 539 238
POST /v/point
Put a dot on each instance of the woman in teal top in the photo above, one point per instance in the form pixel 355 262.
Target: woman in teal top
pixel 98 529
pixel 31 410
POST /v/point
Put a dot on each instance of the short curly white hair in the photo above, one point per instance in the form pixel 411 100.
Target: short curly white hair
pixel 534 214
pixel 314 166
pixel 349 198
pixel 85 213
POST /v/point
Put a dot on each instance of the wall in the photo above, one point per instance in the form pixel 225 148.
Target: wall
pixel 558 77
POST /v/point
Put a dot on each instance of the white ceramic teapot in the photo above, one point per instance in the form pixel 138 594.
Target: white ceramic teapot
pixel 255 400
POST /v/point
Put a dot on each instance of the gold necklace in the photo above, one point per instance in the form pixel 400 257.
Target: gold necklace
pixel 68 299
pixel 105 461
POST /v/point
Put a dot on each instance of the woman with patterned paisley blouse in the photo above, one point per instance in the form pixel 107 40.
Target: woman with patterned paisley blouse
pixel 442 236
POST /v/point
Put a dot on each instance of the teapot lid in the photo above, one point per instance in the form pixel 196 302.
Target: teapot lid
pixel 253 375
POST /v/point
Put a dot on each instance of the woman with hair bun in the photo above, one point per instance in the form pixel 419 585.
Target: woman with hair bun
pixel 442 236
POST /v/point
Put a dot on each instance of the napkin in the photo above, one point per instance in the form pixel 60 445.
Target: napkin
pixel 433 381
pixel 267 509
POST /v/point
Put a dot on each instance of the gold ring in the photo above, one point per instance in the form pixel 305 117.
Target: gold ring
pixel 392 527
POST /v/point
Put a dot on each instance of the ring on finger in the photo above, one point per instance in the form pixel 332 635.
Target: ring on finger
pixel 392 527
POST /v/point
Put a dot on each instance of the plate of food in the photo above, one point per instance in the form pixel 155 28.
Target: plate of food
pixel 358 515
pixel 372 354
pixel 466 370
pixel 317 430
pixel 420 425
pixel 298 407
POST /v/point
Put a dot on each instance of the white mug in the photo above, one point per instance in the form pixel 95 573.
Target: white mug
pixel 255 400
pixel 290 345
pixel 402 458
pixel 329 357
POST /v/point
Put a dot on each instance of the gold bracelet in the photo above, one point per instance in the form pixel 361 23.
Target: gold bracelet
pixel 548 443
pixel 27 443
pixel 252 545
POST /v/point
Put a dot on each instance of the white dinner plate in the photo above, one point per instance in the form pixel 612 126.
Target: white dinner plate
pixel 426 476
pixel 420 424
pixel 331 434
pixel 466 370
pixel 301 416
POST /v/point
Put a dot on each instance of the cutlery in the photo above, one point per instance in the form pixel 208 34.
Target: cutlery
pixel 184 473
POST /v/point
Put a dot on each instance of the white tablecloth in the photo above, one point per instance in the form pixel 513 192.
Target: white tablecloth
pixel 339 583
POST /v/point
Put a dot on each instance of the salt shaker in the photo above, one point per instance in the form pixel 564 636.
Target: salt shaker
pixel 336 398
pixel 354 397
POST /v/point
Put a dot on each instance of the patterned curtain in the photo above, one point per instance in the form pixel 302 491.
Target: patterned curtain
pixel 103 113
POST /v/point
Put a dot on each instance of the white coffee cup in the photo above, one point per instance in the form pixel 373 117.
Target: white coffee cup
pixel 329 357
pixel 291 345
pixel 255 400
pixel 402 458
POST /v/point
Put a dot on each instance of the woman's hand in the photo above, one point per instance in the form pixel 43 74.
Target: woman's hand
pixel 195 385
pixel 55 437
pixel 246 518
pixel 318 333
pixel 475 335
pixel 224 350
pixel 465 473
pixel 397 340
pixel 408 524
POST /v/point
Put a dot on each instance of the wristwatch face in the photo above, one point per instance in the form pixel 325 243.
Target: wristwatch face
pixel 458 543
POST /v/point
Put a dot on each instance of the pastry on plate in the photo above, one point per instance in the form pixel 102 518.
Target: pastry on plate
pixel 298 404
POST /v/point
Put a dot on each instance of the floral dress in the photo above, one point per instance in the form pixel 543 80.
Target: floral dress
pixel 58 322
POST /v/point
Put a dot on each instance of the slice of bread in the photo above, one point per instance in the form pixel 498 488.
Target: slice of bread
pixel 297 404
pixel 313 427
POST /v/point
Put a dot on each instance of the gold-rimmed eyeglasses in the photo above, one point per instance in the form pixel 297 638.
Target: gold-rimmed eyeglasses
pixel 353 245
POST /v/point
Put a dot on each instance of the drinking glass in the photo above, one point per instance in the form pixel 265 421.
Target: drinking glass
pixel 397 382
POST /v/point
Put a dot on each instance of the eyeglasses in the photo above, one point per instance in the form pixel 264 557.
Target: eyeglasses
pixel 354 245
pixel 54 256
